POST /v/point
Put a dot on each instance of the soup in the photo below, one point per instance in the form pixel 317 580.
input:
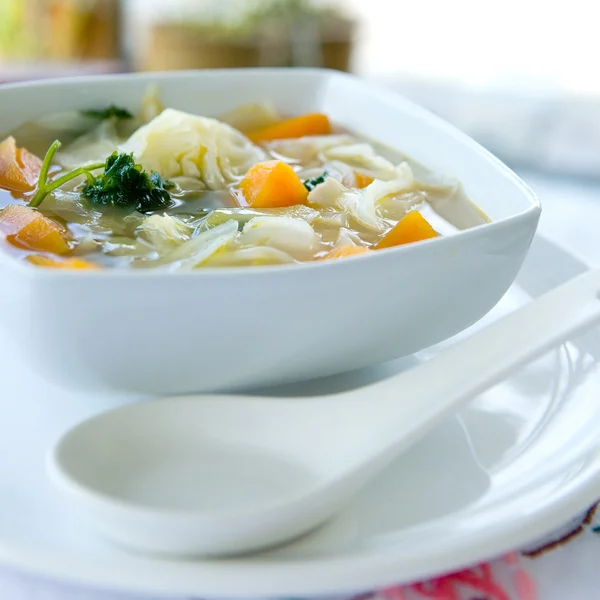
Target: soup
pixel 104 188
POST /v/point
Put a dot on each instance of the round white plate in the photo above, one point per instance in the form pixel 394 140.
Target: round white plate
pixel 519 461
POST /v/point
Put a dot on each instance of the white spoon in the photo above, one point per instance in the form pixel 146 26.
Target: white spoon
pixel 222 475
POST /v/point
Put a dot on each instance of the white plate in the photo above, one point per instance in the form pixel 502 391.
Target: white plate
pixel 514 464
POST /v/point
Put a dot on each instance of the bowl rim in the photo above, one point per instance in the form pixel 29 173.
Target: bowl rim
pixel 532 212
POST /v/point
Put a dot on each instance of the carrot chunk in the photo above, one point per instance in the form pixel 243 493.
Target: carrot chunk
pixel 19 169
pixel 345 250
pixel 362 181
pixel 68 263
pixel 273 184
pixel 27 228
pixel 413 227
pixel 312 124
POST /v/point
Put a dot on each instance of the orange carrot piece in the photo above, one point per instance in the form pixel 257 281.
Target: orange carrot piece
pixel 345 250
pixel 19 169
pixel 413 227
pixel 362 181
pixel 273 184
pixel 68 263
pixel 312 124
pixel 27 228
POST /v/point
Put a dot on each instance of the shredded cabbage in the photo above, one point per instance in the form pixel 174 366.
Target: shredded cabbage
pixel 327 194
pixel 363 157
pixel 331 219
pixel 340 153
pixel 335 169
pixel 187 185
pixel 362 205
pixel 243 215
pixel 396 207
pixel 347 237
pixel 176 143
pixel 126 246
pixel 197 250
pixel 293 236
pixel 164 233
pixel 310 149
pixel 261 255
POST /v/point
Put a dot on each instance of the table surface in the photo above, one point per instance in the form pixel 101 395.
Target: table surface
pixel 569 571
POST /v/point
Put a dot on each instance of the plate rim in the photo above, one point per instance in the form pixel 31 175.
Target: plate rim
pixel 307 578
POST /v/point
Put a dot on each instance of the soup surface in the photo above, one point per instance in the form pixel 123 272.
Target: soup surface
pixel 105 188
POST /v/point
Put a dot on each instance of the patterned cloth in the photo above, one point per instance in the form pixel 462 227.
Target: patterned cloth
pixel 509 578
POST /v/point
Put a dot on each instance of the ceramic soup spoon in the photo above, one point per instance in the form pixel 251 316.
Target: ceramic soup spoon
pixel 222 475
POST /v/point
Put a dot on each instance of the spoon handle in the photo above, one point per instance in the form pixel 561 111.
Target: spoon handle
pixel 402 408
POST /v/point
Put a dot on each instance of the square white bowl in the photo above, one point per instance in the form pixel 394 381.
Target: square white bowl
pixel 223 329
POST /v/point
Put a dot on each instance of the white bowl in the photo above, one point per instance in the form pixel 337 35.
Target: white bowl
pixel 215 330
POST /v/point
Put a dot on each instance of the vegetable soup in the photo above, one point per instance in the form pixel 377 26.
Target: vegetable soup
pixel 105 188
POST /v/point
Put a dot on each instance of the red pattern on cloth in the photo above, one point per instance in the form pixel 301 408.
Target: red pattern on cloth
pixel 504 579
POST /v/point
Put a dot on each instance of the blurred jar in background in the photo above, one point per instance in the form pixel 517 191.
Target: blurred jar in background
pixel 60 30
pixel 188 34
pixel 83 29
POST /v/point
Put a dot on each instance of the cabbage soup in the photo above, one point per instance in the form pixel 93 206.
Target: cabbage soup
pixel 105 188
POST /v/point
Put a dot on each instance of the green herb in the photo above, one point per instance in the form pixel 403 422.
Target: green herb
pixel 311 184
pixel 45 187
pixel 124 184
pixel 108 113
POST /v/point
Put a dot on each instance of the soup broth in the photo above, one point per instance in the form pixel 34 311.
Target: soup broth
pixel 172 190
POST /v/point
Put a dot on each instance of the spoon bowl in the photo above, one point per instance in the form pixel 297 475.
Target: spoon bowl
pixel 164 472
pixel 211 475
pixel 224 475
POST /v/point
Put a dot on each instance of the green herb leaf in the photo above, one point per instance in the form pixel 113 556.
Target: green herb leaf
pixel 125 184
pixel 108 113
pixel 311 184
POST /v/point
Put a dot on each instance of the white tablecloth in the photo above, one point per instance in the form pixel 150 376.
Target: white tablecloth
pixel 569 571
